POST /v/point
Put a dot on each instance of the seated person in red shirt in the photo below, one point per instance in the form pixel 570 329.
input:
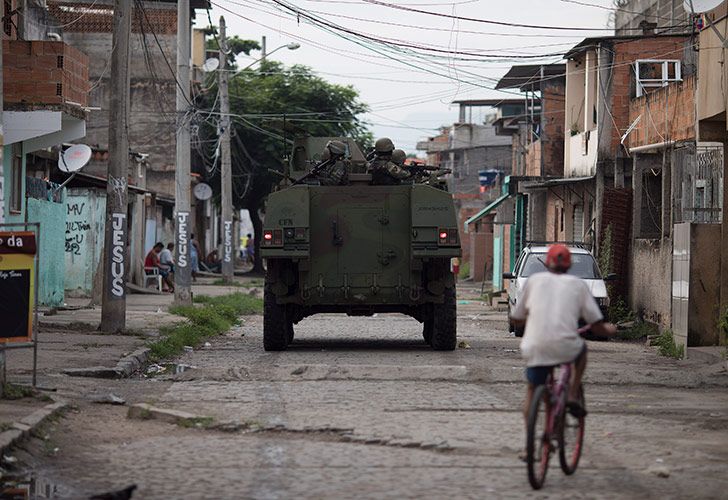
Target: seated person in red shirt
pixel 151 262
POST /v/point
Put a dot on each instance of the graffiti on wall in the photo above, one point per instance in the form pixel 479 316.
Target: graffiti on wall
pixel 77 226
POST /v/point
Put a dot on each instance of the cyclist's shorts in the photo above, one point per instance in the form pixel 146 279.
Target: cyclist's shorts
pixel 537 375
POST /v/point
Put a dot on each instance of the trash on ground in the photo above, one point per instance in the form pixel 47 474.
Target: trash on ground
pixel 109 399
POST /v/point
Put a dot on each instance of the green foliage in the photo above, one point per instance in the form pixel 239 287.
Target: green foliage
pixel 196 422
pixel 12 391
pixel 464 271
pixel 723 327
pixel 619 311
pixel 214 317
pixel 319 108
pixel 235 45
pixel 665 343
pixel 640 330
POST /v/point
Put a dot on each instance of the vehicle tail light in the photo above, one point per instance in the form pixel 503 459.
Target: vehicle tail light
pixel 300 233
pixel 448 236
pixel 277 237
pixel 267 238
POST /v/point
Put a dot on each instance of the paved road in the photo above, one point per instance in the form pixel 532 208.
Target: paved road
pixel 362 408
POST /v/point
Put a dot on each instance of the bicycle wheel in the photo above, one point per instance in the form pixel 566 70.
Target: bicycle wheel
pixel 571 439
pixel 538 441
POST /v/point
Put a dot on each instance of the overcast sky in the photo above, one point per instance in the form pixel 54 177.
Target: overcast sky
pixel 409 93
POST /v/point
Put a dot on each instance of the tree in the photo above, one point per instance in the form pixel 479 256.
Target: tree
pixel 258 98
pixel 236 46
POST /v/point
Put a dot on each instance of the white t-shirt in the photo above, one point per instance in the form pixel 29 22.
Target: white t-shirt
pixel 166 257
pixel 553 304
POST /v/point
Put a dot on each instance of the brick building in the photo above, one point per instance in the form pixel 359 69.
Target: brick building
pixel 603 75
pixel 45 87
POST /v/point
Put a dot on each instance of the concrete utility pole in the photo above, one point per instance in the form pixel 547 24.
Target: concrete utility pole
pixel 116 258
pixel 183 268
pixel 263 51
pixel 226 186
pixel 2 188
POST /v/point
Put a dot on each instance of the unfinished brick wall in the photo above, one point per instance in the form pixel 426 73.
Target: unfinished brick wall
pixel 622 87
pixel 91 17
pixel 667 114
pixel 553 101
pixel 44 72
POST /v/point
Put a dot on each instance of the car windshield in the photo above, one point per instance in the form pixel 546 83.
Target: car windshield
pixel 582 266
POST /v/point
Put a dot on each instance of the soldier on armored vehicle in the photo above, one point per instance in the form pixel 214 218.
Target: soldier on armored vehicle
pixel 384 171
pixel 336 172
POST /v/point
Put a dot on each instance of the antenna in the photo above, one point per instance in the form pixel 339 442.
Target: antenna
pixel 701 7
pixel 211 64
pixel 72 160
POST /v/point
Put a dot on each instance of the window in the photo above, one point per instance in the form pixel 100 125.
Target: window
pixel 651 213
pixel 16 179
pixel 577 221
pixel 652 74
pixel 7 18
pixel 583 265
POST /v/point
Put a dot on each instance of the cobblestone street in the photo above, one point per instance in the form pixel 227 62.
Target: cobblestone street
pixel 361 407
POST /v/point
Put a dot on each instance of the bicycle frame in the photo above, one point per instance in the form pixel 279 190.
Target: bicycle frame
pixel 557 403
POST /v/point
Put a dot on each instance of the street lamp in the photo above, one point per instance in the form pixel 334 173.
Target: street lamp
pixel 289 46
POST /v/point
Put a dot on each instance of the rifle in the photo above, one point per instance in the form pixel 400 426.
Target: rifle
pixel 426 169
pixel 315 170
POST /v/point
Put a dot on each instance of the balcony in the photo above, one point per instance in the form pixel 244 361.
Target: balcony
pixel 44 75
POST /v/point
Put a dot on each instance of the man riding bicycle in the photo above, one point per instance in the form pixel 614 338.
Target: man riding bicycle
pixel 550 306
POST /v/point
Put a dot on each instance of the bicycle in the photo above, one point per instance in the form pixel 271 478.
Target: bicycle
pixel 549 404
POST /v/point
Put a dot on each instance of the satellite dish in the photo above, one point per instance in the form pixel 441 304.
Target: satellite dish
pixel 74 158
pixel 211 64
pixel 202 191
pixel 701 6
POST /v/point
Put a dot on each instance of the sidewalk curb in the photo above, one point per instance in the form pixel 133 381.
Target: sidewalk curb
pixel 125 367
pixel 144 411
pixel 25 427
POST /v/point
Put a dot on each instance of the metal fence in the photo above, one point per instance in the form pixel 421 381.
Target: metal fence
pixel 698 174
pixel 43 190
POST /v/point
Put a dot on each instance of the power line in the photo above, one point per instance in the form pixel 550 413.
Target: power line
pixel 489 21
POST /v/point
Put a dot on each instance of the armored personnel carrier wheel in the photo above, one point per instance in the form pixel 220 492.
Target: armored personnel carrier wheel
pixel 276 327
pixel 427 327
pixel 290 333
pixel 444 322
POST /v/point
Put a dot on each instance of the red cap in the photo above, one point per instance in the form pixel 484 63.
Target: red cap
pixel 558 258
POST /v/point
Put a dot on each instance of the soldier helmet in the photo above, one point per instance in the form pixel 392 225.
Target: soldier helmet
pixel 384 145
pixel 337 148
pixel 325 155
pixel 399 156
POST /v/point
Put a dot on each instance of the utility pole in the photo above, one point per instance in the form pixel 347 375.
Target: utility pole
pixel 116 258
pixel 183 267
pixel 263 51
pixel 2 188
pixel 226 186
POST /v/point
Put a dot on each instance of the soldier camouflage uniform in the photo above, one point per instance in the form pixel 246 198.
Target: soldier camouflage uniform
pixel 384 171
pixel 335 174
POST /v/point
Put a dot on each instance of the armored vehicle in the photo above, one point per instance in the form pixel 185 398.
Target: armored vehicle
pixel 357 249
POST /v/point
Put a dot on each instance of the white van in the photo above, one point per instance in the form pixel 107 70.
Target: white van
pixel 533 260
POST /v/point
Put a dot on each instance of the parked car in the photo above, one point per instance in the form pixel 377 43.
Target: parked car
pixel 533 260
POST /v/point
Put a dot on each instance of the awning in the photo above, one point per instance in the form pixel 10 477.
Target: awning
pixel 557 182
pixel 486 210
